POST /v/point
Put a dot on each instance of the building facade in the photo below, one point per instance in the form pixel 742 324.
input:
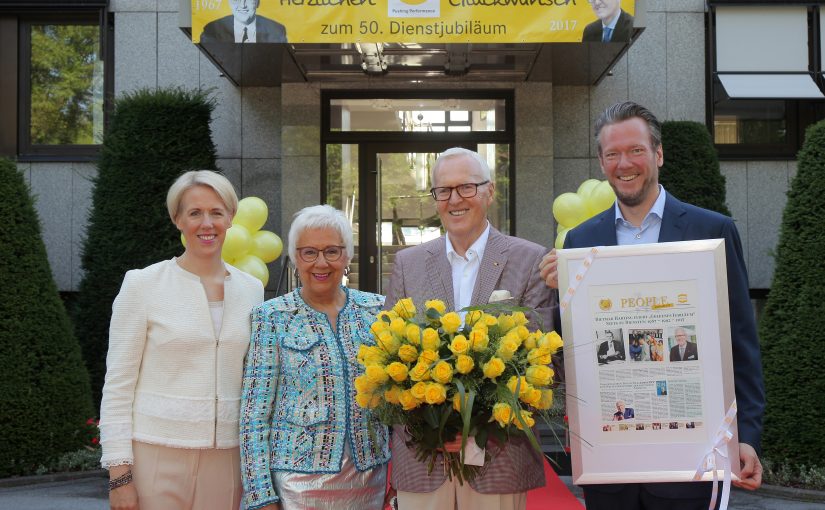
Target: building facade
pixel 304 124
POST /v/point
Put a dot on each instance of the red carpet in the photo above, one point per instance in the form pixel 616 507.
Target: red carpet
pixel 553 496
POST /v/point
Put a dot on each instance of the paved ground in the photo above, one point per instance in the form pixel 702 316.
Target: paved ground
pixel 90 494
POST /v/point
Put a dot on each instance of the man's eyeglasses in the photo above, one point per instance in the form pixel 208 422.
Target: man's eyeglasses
pixel 331 253
pixel 467 190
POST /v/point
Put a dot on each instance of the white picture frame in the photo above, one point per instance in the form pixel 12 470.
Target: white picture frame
pixel 673 400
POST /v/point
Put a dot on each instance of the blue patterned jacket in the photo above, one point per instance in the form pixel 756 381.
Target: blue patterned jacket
pixel 298 405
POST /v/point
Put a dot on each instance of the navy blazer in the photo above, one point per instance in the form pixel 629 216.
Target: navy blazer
pixel 621 32
pixel 685 222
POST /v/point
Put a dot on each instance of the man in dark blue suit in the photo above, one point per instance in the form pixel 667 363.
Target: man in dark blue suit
pixel 244 26
pixel 629 143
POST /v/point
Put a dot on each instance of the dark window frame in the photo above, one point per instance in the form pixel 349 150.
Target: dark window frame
pixel 16 141
pixel 799 113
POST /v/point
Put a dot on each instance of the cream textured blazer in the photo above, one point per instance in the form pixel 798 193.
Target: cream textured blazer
pixel 170 378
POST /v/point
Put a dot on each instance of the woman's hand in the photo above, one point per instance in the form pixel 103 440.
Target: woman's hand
pixel 124 497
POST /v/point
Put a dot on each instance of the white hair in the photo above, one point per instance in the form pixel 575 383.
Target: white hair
pixel 320 216
pixel 456 152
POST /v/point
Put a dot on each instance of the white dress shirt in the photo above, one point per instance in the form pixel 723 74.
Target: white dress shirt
pixel 250 31
pixel 465 269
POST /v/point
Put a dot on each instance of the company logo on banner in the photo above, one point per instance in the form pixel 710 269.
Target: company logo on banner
pixel 412 21
pixel 414 8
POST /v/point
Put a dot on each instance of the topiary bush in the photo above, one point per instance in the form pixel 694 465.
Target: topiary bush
pixel 153 137
pixel 791 329
pixel 691 169
pixel 45 397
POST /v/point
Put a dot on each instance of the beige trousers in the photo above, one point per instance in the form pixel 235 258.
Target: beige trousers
pixel 186 478
pixel 453 496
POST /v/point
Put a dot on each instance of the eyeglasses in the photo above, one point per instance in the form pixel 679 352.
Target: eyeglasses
pixel 331 253
pixel 467 190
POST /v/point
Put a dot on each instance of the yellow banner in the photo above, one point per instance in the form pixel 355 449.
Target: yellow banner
pixel 412 21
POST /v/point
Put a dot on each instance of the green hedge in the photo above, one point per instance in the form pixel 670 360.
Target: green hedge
pixel 691 169
pixel 45 398
pixel 791 328
pixel 153 137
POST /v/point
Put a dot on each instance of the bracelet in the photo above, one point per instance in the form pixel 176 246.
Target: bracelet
pixel 120 481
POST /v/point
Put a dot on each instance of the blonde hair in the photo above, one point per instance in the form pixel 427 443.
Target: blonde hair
pixel 189 180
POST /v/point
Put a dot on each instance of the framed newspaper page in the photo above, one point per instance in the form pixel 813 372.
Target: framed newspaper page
pixel 647 355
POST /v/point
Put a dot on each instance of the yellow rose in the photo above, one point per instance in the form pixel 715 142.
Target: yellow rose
pixel 363 400
pixel 364 385
pixel 388 342
pixel 522 332
pixel 464 364
pixel 398 326
pixel 551 341
pixel 398 371
pixel 372 355
pixel 457 402
pixel 418 390
pixel 490 321
pixel 493 368
pixel 450 322
pixel 393 394
pixel 479 339
pixel 507 348
pixel 408 353
pixel 503 414
pixel 362 352
pixel 404 308
pixel 375 401
pixel 532 397
pixel 459 345
pixel 407 400
pixel 527 416
pixel 376 374
pixel 539 356
pixel 442 372
pixel 386 316
pixel 428 357
pixel 430 339
pixel 437 305
pixel 435 393
pixel 546 400
pixel 539 375
pixel 473 316
pixel 420 372
pixel 505 323
pixel 413 333
pixel 378 326
pixel 519 318
pixel 530 341
pixel 523 386
pixel 513 338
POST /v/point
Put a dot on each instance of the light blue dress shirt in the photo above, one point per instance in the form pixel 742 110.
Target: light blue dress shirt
pixel 627 233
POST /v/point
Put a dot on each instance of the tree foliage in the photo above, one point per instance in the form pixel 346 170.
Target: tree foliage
pixel 154 136
pixel 691 169
pixel 791 327
pixel 45 397
pixel 63 83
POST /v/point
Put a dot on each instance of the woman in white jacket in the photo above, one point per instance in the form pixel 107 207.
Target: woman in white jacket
pixel 179 332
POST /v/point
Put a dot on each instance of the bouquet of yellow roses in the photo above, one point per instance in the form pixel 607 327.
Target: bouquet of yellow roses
pixel 438 378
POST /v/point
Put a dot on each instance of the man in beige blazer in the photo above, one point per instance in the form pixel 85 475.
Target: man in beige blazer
pixel 463 268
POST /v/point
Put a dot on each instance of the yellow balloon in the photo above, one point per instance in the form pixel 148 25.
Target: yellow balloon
pixel 600 198
pixel 266 245
pixel 254 266
pixel 237 243
pixel 569 209
pixel 560 238
pixel 586 187
pixel 252 214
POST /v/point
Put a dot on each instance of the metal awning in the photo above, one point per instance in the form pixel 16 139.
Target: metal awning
pixel 770 86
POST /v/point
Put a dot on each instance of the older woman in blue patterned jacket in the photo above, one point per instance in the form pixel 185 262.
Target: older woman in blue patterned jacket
pixel 305 443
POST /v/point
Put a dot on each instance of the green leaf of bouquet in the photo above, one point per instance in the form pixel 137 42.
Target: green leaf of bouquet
pixel 432 314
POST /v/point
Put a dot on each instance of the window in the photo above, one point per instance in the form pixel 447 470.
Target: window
pixel 63 76
pixel 765 87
